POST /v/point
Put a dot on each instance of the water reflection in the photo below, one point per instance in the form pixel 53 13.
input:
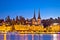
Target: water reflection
pixel 47 37
pixel 1 36
pixel 29 37
pixel 36 37
pixel 17 36
pixel 58 37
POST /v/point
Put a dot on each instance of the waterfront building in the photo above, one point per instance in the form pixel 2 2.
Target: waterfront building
pixel 28 29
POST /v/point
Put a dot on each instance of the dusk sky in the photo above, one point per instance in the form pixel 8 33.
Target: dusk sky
pixel 25 8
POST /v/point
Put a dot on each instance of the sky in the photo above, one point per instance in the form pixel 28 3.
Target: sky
pixel 25 8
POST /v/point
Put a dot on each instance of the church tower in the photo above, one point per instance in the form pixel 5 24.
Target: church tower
pixel 39 18
pixel 34 18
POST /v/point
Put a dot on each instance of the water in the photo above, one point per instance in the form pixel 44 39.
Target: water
pixel 17 36
pixel 1 36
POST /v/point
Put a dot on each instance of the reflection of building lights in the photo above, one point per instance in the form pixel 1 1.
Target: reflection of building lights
pixel 54 36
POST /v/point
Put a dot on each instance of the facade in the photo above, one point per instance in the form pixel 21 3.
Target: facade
pixel 20 24
pixel 33 29
pixel 38 20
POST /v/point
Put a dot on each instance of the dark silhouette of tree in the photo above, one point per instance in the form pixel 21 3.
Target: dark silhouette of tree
pixel 51 21
pixel 17 20
pixel 58 20
pixel 55 20
pixel 8 20
pixel 47 22
pixel 1 20
pixel 22 20
pixel 13 22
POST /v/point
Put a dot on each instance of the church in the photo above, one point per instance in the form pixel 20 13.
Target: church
pixel 34 21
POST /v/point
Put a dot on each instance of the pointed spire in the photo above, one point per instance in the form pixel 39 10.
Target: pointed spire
pixel 34 15
pixel 39 14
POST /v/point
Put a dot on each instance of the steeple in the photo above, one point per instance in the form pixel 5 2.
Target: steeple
pixel 39 14
pixel 34 15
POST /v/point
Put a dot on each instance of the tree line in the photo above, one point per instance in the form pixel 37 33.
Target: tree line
pixel 22 20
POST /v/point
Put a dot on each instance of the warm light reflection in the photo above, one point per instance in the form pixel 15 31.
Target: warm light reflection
pixel 17 36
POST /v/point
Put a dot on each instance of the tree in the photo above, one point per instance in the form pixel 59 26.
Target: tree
pixel 58 20
pixel 8 20
pixel 22 20
pixel 17 20
pixel 13 21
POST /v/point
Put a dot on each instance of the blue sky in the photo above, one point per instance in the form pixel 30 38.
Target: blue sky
pixel 25 8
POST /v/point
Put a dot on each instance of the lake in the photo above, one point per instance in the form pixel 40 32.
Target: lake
pixel 18 36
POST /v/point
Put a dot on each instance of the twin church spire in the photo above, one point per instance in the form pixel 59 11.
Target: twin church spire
pixel 34 15
pixel 38 20
pixel 38 14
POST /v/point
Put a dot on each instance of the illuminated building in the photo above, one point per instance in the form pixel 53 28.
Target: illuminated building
pixel 22 26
